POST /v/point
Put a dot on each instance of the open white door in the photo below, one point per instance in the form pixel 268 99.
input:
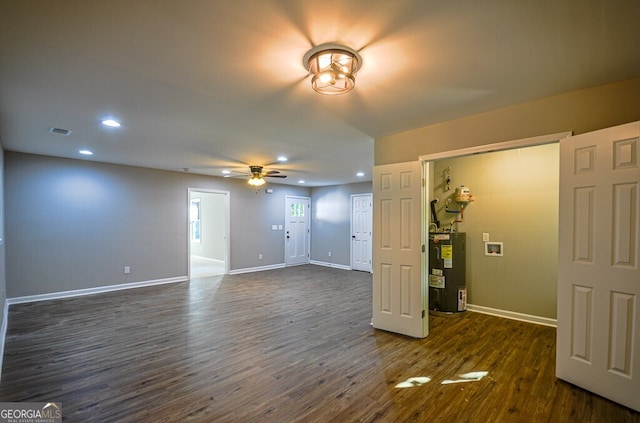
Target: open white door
pixel 361 206
pixel 398 290
pixel 599 263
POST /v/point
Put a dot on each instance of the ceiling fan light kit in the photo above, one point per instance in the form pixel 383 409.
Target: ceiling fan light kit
pixel 332 68
pixel 257 176
pixel 256 181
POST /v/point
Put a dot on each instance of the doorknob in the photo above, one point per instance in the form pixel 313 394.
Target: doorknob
pixel 353 236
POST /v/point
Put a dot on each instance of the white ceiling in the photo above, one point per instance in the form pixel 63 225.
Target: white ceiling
pixel 208 85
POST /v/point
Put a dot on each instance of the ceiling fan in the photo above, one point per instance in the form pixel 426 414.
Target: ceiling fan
pixel 257 175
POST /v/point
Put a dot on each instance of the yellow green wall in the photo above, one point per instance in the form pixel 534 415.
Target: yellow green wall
pixel 516 202
pixel 578 111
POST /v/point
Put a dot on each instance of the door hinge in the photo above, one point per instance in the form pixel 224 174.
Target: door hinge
pixel 423 248
pixel 423 314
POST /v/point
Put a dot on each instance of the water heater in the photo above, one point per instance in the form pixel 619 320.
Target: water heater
pixel 447 272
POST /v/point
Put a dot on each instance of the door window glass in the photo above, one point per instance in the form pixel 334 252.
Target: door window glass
pixel 297 210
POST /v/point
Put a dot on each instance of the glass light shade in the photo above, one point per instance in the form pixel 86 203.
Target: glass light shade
pixel 333 71
pixel 256 181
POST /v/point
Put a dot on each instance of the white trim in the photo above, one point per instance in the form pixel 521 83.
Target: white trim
pixel 488 148
pixel 327 264
pixel 91 291
pixel 498 146
pixel 257 269
pixel 538 320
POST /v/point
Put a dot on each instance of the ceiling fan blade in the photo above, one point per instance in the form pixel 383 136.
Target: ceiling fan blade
pixel 271 172
pixel 274 176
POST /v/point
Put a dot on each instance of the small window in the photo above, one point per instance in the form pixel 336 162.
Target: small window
pixel 194 219
pixel 297 210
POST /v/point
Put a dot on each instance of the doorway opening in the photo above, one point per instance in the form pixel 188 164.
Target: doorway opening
pixel 208 241
pixel 514 189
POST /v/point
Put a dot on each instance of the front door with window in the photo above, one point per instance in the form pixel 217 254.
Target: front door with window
pixel 296 230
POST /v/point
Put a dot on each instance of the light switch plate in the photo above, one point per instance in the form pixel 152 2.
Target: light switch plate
pixel 485 237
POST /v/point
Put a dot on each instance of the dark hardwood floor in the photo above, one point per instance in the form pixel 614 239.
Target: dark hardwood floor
pixel 288 345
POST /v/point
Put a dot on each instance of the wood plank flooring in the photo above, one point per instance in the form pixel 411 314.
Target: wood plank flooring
pixel 287 345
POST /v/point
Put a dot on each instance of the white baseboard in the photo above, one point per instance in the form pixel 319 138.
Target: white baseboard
pixel 257 269
pixel 90 291
pixel 513 315
pixel 282 265
pixel 334 265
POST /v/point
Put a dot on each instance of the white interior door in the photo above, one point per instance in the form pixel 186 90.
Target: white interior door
pixel 398 289
pixel 598 269
pixel 296 230
pixel 361 207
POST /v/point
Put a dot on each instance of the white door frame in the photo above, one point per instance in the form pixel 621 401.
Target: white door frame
pixel 227 225
pixel 428 160
pixel 353 196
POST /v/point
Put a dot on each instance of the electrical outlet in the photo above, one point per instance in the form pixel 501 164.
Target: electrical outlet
pixel 259 256
pixel 329 253
pixel 127 270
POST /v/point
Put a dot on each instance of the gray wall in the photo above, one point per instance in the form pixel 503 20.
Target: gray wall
pixel 331 222
pixel 75 224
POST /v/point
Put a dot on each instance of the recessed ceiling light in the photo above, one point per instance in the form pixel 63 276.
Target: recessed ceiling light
pixel 360 174
pixel 111 123
pixel 301 181
pixel 86 152
pixel 282 159
pixel 226 172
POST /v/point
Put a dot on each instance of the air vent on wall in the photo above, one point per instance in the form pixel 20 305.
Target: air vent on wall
pixel 59 131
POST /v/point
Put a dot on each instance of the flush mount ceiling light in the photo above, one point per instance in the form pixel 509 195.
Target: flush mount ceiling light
pixel 332 68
